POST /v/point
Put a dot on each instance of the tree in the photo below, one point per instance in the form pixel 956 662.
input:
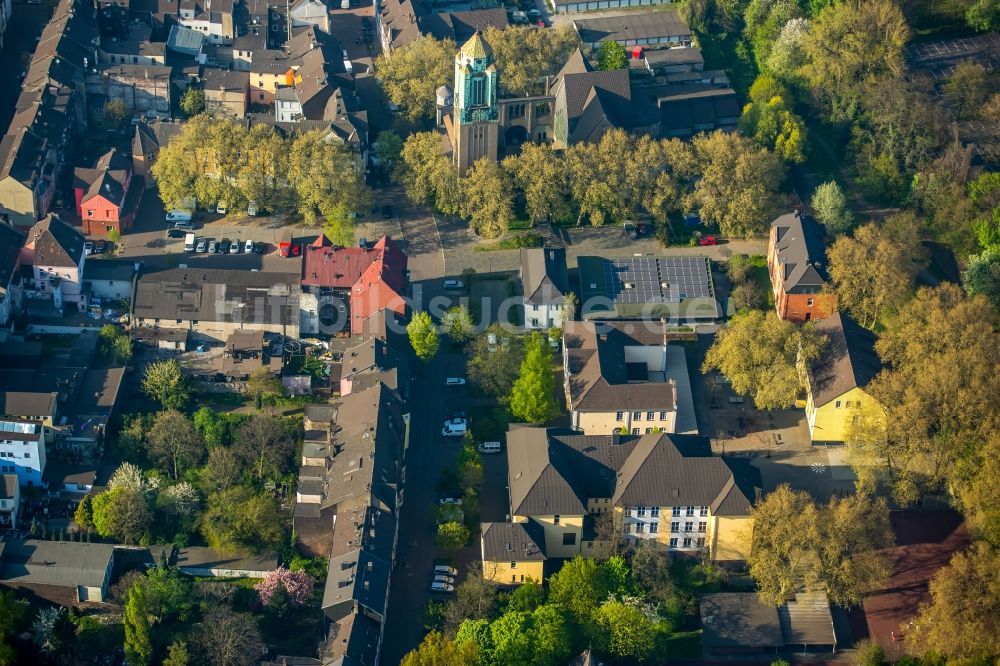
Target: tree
pixel 211 426
pixel 511 639
pixel 388 150
pixel 651 570
pixel 873 270
pixel 222 470
pixel 760 354
pixel 748 295
pixel 539 173
pixel 193 102
pixel 84 515
pixel 177 654
pixel 13 617
pixel 487 199
pixel 225 638
pixel 623 630
pixel 328 182
pixel 47 629
pixel 262 384
pixel 297 584
pixel 174 443
pixel 525 55
pixel 458 323
pixel 265 444
pixel 869 653
pixel 983 15
pixel 738 189
pixel 427 174
pixel 580 586
pixel 423 336
pixel 526 597
pixel 179 501
pixel 788 54
pixel 452 536
pixel 166 382
pixel 611 55
pixel 797 545
pixel 475 599
pixel 238 520
pixel 138 645
pixel 829 205
pixel 552 636
pixel 967 89
pixel 493 366
pixel 962 620
pixel 410 76
pixel 532 397
pixel 115 111
pixel 770 121
pixel 763 22
pixel 122 513
pixel 438 650
pixel 166 595
pixel 983 276
pixel 128 476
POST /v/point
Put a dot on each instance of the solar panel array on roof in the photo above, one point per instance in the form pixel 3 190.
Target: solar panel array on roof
pixel 656 280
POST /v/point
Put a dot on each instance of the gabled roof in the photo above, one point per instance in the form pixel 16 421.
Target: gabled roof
pixel 800 252
pixel 848 361
pixel 55 243
pixel 540 482
pixel 462 26
pixel 544 275
pixel 513 542
pixel 633 27
pixel 106 179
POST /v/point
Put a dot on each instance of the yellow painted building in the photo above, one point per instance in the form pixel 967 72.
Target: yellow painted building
pixel 511 553
pixel 835 387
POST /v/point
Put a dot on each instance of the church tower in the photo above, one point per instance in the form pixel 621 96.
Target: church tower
pixel 476 112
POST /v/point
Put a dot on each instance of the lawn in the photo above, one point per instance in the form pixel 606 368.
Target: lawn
pixel 683 645
pixel 515 242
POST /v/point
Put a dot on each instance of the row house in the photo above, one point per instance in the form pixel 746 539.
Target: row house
pixel 22 450
pixel 54 251
pixel 546 283
pixel 106 196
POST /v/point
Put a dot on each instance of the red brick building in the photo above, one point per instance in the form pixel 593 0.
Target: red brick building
pixel 106 197
pixel 796 262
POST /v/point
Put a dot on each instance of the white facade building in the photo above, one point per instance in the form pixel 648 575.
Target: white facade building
pixel 686 527
pixel 546 283
pixel 22 450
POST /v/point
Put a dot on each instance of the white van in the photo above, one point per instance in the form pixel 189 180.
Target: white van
pixel 179 216
pixel 489 447
pixel 454 285
pixel 445 569
pixel 189 242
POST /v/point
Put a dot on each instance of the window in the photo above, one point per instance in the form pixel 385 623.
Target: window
pixel 650 416
pixel 655 512
pixel 640 511
pixel 690 511
pixel 676 511
pixel 522 578
pixel 635 431
pixel 701 541
pixel 673 542
pixel 809 302
pixel 513 565
pixel 837 405
pixel 513 579
pixel 534 322
pixel 90 213
pixel 687 542
pixel 649 431
pixel 663 416
pixel 477 93
pixel 534 307
pixel 703 511
pixel 702 526
pixel 27 454
pixel 688 526
pixel 674 526
pixel 640 528
pixel 555 520
pixel 569 539
pixel 636 416
pixel 619 416
pixel 847 404
pixel 515 111
pixel 654 527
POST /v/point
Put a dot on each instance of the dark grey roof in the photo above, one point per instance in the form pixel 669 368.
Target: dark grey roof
pixel 685 109
pixel 460 26
pixel 56 243
pixel 540 482
pixel 806 620
pixel 63 563
pixel 631 27
pixel 206 294
pixel 848 361
pixel 800 252
pixel 362 573
pixel 121 270
pixel 58 474
pixel 513 542
pixel 689 55
pixel 738 620
pixel 544 275
pixel 198 557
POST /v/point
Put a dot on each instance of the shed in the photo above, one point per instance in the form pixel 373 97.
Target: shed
pixel 200 561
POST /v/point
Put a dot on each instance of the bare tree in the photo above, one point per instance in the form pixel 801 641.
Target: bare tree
pixel 225 638
pixel 609 535
pixel 264 442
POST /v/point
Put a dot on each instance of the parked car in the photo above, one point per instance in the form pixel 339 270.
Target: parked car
pixel 259 248
pixel 445 569
pixel 220 208
pixel 641 228
pixel 454 429
pixel 176 233
pixel 202 246
pixel 88 247
pixel 213 246
pixel 450 500
pixel 490 447
pixel 249 247
pixel 630 230
pixel 455 381
pixel 387 211
pixel 235 247
pixel 435 586
pixel 184 225
pixel 224 246
pixel 100 246
pixel 179 216
pixel 441 578
pixel 454 285
pixel 708 240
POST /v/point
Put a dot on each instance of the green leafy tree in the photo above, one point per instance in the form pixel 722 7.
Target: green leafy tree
pixel 532 397
pixel 167 595
pixel 763 24
pixel 458 323
pixel 262 385
pixel 771 123
pixel 452 536
pixel 84 515
pixel 526 597
pixel 223 470
pixel 438 650
pixel 539 173
pixel 760 354
pixel 193 102
pixel 427 174
pixel 611 55
pixel 409 76
pixel 525 55
pixel 13 619
pixel 475 599
pixel 983 276
pixel 328 182
pixel 830 207
pixel 493 367
pixel 211 426
pixel 174 443
pixel 487 199
pixel 623 630
pixel 138 644
pixel 166 382
pixel 423 336
pixel 787 54
pixel 115 111
pixel 967 89
pixel 239 520
pixel 177 654
pixel 122 513
pixel 388 150
pixel 511 638
pixel 983 15
pixel 579 586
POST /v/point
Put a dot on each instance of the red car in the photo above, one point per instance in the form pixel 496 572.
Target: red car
pixel 288 250
pixel 708 240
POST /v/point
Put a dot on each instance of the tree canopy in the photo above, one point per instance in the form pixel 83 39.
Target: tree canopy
pixel 525 55
pixel 410 76
pixel 423 336
pixel 532 397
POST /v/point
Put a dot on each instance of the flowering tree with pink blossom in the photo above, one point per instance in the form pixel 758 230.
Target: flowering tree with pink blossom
pixel 298 584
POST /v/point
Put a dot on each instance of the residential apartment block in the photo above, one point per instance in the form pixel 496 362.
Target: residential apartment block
pixel 545 284
pixel 668 488
pixel 625 378
pixel 22 450
pixel 796 262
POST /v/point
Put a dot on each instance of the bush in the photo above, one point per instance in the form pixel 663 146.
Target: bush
pixel 869 653
pixel 452 536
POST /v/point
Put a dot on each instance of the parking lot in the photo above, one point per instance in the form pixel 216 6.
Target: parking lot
pixel 939 58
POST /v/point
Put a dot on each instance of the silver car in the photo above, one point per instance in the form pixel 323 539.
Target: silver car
pixel 442 587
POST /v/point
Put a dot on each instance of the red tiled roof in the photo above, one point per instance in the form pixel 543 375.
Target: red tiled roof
pixel 381 286
pixel 332 267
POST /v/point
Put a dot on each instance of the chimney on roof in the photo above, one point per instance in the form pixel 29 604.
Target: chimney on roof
pixel 616 438
pixel 797 213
